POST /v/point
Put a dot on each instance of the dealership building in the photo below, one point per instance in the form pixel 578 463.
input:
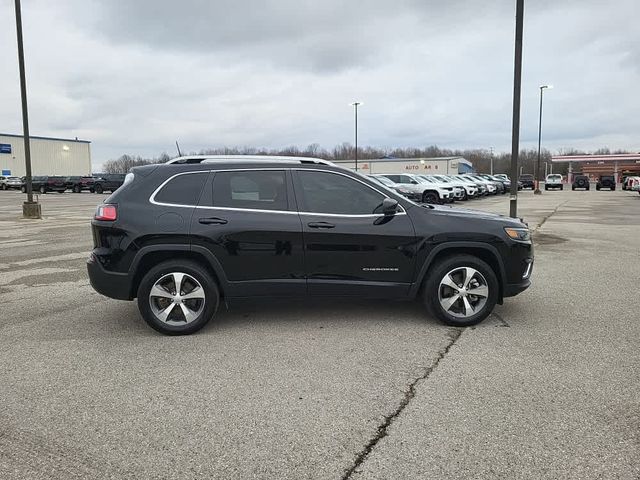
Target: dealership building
pixel 595 165
pixel 49 156
pixel 422 166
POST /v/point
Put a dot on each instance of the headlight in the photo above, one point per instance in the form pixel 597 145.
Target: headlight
pixel 519 234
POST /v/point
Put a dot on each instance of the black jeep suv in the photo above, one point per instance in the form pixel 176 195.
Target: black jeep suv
pixel 580 181
pixel 606 181
pixel 181 236
pixel 104 182
pixel 45 184
pixel 527 181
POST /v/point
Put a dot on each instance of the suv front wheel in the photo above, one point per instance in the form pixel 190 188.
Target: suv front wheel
pixel 178 297
pixel 461 290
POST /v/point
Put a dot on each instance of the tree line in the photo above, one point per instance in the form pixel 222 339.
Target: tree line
pixel 481 158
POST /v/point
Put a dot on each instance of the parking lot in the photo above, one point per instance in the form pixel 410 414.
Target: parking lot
pixel 547 387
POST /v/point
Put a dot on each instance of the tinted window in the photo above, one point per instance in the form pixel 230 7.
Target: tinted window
pixel 183 189
pixel 260 190
pixel 337 194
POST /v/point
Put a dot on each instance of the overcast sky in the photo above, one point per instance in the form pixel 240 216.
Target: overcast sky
pixel 133 76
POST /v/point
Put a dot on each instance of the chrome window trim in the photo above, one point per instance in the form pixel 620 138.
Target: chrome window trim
pixel 256 210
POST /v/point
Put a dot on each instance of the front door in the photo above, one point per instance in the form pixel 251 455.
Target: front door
pixel 247 220
pixel 351 248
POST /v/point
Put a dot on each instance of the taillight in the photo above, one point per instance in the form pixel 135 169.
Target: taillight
pixel 106 212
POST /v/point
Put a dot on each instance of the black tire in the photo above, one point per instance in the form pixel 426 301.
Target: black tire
pixel 587 188
pixel 43 190
pixel 613 188
pixel 546 188
pixel 430 197
pixel 98 188
pixel 561 187
pixel 23 189
pixel 76 189
pixel 211 301
pixel 465 196
pixel 439 270
pixel 4 186
pixel 61 191
pixel 598 187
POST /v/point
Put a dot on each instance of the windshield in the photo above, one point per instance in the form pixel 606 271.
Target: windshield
pixel 384 181
pixel 554 177
pixel 424 179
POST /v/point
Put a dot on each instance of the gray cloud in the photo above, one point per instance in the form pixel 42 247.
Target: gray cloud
pixel 135 75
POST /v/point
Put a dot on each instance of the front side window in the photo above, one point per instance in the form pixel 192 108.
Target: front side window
pixel 258 190
pixel 182 189
pixel 325 192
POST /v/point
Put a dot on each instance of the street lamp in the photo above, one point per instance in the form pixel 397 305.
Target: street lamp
pixel 356 105
pixel 30 209
pixel 537 190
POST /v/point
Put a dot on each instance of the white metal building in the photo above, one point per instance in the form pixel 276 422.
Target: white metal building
pixel 424 166
pixel 49 156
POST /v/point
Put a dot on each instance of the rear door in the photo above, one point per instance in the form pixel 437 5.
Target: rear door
pixel 351 248
pixel 248 221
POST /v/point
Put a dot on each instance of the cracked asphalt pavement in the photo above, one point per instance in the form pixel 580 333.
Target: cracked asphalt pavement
pixel 547 387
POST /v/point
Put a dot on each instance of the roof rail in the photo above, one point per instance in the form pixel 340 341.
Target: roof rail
pixel 194 159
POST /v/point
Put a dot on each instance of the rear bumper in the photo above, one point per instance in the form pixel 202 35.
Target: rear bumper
pixel 110 284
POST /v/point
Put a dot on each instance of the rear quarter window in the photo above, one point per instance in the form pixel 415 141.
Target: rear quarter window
pixel 182 189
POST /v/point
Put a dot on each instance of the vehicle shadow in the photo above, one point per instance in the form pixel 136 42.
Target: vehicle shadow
pixel 241 314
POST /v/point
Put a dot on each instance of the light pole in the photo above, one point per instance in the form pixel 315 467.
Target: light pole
pixel 356 105
pixel 491 148
pixel 515 126
pixel 30 209
pixel 537 191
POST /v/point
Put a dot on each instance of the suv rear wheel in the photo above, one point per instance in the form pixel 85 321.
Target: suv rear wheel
pixel 178 297
pixel 430 197
pixel 98 188
pixel 461 290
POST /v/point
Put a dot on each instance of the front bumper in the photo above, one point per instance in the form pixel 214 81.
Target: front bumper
pixel 110 284
pixel 513 289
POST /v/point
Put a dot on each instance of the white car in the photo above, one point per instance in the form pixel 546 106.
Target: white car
pixel 458 192
pixel 466 190
pixel 491 186
pixel 634 184
pixel 431 193
pixel 553 180
pixel 10 182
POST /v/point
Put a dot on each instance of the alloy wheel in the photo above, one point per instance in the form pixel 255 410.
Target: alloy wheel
pixel 463 292
pixel 177 299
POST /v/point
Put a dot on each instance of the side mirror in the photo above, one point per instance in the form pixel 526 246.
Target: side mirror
pixel 389 206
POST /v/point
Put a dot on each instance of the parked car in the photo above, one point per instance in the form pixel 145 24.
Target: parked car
pixel 481 187
pixel 411 192
pixel 634 184
pixel 466 191
pixel 498 183
pixel 527 181
pixel 180 237
pixel 492 188
pixel 606 181
pixel 553 180
pixel 45 184
pixel 79 183
pixel 7 183
pixel 580 181
pixel 430 193
pixel 454 193
pixel 107 182
pixel 505 178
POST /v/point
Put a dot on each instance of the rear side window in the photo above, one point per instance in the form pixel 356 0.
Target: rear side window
pixel 183 189
pixel 258 190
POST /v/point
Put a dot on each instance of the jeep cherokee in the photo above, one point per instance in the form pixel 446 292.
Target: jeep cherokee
pixel 181 236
